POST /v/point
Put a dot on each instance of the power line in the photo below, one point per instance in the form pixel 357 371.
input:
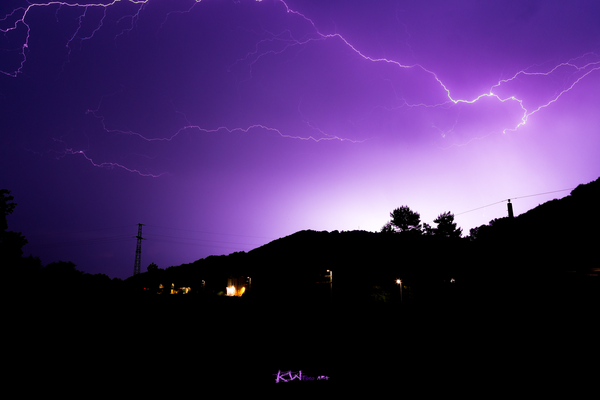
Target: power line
pixel 107 239
pixel 514 198
pixel 204 240
pixel 539 194
pixel 74 233
pixel 210 233
pixel 212 246
pixel 479 208
pixel 154 238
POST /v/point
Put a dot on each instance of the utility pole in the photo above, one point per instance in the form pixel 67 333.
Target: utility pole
pixel 138 251
pixel 399 282
pixel 330 284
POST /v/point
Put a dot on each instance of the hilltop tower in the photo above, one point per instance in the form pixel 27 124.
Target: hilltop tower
pixel 510 210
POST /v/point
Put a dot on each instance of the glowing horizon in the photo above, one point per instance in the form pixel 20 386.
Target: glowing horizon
pixel 263 118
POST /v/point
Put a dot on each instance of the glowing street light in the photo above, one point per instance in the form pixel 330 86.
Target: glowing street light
pixel 399 282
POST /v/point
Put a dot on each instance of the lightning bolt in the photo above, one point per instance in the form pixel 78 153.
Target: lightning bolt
pixel 108 165
pixel 16 28
pixel 583 70
pixel 18 15
pixel 96 113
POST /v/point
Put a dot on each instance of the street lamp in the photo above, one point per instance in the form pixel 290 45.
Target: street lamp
pixel 399 282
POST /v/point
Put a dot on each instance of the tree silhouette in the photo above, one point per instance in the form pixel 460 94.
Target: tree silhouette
pixel 428 230
pixel 404 219
pixel 63 269
pixel 446 225
pixel 11 243
pixel 479 232
pixel 6 207
pixel 152 267
pixel 388 228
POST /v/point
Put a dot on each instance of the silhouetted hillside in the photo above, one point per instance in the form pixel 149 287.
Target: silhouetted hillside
pixel 365 266
pixel 555 237
pixel 546 253
pixel 508 259
pixel 281 324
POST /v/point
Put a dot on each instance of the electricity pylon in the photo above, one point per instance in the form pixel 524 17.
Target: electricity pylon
pixel 138 251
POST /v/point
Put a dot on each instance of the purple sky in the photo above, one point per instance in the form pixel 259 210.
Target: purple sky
pixel 223 125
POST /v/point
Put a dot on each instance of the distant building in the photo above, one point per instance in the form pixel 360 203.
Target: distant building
pixel 237 286
pixel 173 289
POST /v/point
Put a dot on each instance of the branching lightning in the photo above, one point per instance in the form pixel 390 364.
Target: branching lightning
pixel 190 126
pixel 277 43
pixel 70 151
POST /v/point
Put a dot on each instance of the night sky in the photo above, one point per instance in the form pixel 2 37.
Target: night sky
pixel 222 125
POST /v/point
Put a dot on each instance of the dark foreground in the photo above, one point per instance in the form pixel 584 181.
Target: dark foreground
pixel 181 346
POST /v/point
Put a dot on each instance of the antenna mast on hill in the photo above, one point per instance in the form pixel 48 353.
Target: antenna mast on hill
pixel 138 251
